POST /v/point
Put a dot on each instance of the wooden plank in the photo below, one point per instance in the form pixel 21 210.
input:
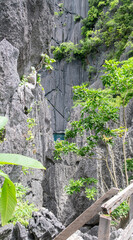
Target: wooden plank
pixel 89 213
pixel 114 202
pixel 131 205
pixel 104 228
pixel 126 234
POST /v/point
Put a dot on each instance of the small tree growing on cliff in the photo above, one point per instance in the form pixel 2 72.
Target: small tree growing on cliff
pixel 99 109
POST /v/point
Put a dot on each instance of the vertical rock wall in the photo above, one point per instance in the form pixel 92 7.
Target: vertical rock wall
pixel 27 25
pixel 20 104
pixel 58 87
pixel 58 84
pixel 25 32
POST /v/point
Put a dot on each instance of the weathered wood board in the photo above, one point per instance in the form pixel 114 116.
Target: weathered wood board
pixel 88 214
pixel 115 201
pixel 127 232
pixel 104 228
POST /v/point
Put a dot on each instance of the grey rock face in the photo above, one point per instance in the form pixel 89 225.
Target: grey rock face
pixel 15 101
pixel 6 232
pixel 93 231
pixel 116 234
pixel 67 208
pixel 65 27
pixel 58 84
pixel 58 88
pixel 44 225
pixel 19 232
pixel 27 25
pixel 9 78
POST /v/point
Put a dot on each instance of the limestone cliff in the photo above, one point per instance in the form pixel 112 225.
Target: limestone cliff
pixel 27 25
pixel 59 96
pixel 25 32
pixel 58 84
pixel 15 101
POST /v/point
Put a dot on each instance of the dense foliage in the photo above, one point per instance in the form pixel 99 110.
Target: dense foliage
pixel 99 108
pixel 109 23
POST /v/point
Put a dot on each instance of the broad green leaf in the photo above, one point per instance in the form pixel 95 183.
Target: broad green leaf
pixel 8 199
pixel 17 159
pixel 3 122
pixel 4 175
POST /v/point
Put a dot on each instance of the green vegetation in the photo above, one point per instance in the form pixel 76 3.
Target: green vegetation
pixel 60 13
pixel 24 80
pixel 77 18
pixel 61 10
pixel 82 184
pixel 23 210
pixel 65 50
pixel 61 5
pixel 121 211
pixel 46 62
pixel 2 135
pixel 108 23
pixel 91 70
pixel 8 192
pixel 31 123
pixel 99 110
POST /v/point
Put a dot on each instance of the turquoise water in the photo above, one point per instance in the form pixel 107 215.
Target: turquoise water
pixel 59 136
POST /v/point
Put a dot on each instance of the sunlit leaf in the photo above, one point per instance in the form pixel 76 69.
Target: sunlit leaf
pixel 8 199
pixel 3 122
pixel 17 159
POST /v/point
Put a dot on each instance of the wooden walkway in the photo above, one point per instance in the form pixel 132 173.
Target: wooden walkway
pixel 106 204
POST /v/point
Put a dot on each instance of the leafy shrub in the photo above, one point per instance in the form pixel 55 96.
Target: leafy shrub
pixel 23 210
pixel 82 184
pixel 77 18
pixel 113 29
pixel 46 61
pixel 121 211
pixel 65 50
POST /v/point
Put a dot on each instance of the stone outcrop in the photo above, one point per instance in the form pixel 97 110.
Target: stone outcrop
pixel 42 226
pixel 22 104
pixel 27 25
